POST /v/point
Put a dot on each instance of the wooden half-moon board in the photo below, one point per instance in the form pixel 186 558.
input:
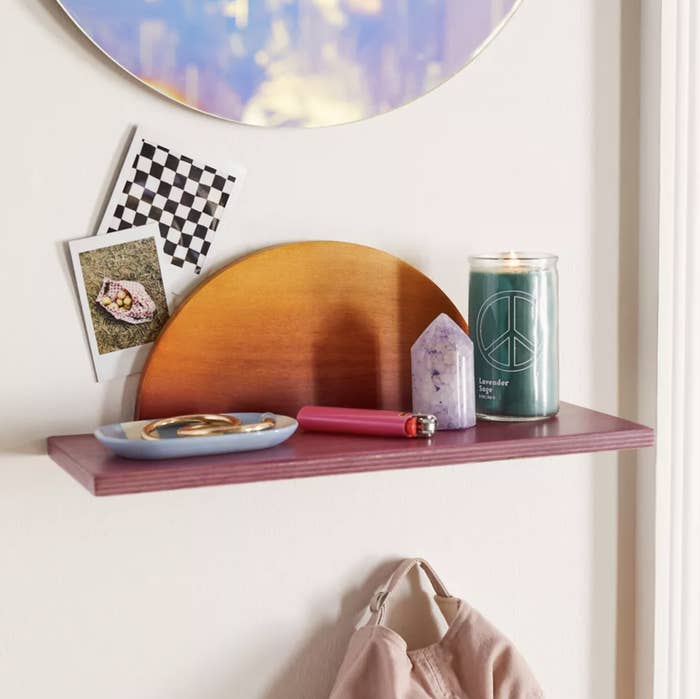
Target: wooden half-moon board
pixel 320 323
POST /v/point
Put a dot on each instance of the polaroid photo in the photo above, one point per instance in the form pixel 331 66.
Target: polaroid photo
pixel 123 297
pixel 185 196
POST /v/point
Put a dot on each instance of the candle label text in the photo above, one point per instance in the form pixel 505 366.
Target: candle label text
pixel 486 386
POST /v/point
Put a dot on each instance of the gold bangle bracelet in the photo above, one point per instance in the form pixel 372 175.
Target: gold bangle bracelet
pixel 149 431
pixel 209 430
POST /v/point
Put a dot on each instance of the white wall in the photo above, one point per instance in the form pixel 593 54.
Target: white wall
pixel 251 591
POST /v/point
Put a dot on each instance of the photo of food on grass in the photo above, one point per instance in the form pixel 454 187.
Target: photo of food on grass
pixel 123 296
pixel 123 279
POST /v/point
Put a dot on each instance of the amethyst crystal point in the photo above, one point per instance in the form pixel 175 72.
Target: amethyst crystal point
pixel 442 369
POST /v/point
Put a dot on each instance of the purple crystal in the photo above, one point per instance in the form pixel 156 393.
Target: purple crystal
pixel 442 370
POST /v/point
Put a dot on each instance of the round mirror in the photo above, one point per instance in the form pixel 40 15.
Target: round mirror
pixel 291 62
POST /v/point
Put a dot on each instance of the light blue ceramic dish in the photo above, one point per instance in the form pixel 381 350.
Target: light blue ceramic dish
pixel 124 439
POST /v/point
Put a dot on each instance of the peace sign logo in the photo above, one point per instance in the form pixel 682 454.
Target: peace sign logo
pixel 512 346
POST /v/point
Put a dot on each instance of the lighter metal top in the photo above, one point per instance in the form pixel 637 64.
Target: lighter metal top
pixel 426 425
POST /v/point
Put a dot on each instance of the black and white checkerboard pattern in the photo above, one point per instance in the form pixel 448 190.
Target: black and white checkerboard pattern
pixel 184 197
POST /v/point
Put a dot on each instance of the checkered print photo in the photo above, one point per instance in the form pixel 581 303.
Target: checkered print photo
pixel 184 197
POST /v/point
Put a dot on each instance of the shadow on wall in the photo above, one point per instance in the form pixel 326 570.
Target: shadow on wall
pixel 310 672
pixel 615 235
pixel 628 354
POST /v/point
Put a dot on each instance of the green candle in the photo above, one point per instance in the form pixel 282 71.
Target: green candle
pixel 513 323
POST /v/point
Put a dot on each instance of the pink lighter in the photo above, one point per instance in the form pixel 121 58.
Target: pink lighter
pixel 381 423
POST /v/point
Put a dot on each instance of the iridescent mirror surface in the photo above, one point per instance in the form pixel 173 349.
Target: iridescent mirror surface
pixel 291 62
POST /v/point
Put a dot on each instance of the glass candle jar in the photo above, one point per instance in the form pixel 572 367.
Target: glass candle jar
pixel 513 323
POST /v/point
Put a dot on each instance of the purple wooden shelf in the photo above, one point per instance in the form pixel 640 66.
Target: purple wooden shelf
pixel 574 430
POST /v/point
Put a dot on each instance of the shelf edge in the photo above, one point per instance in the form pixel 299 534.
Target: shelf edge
pixel 556 446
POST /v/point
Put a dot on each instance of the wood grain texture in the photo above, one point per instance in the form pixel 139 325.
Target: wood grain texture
pixel 574 430
pixel 321 323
